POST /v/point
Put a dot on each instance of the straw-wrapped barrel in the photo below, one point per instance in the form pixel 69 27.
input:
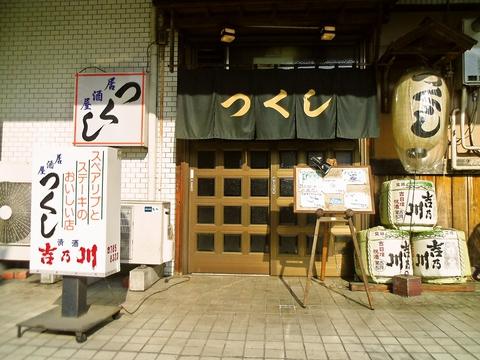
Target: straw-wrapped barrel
pixel 386 253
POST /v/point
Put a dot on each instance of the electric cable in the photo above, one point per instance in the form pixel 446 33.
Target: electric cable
pixel 472 119
pixel 148 55
pixel 142 301
pixel 91 67
pixel 410 233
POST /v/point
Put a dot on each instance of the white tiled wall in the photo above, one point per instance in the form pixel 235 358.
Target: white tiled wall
pixel 43 44
pixel 167 126
pixel 166 151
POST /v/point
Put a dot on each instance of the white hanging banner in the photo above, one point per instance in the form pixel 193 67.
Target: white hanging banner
pixel 110 109
pixel 75 221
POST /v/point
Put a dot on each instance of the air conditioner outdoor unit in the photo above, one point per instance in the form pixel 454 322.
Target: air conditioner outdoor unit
pixel 145 232
pixel 471 58
pixel 15 207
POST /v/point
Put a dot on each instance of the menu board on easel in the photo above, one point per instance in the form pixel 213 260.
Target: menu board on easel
pixel 342 188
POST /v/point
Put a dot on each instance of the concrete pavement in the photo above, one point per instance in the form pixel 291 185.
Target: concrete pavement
pixel 251 317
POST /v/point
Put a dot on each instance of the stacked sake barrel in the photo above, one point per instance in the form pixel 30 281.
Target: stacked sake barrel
pixel 410 242
pixel 386 252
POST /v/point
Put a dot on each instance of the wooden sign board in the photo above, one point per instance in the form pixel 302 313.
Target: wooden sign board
pixel 343 188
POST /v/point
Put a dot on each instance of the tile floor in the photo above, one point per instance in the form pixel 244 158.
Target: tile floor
pixel 250 317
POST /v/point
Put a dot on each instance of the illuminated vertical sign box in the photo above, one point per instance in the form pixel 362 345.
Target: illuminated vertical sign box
pixel 110 109
pixel 75 224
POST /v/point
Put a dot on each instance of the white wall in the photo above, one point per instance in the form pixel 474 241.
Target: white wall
pixel 43 44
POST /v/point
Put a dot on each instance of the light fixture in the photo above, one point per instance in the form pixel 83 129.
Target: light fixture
pixel 227 35
pixel 321 165
pixel 328 32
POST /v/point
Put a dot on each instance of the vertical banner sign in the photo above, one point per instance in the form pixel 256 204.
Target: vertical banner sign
pixel 110 109
pixel 75 211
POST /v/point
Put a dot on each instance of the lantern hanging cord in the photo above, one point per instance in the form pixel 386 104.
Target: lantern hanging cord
pixel 410 233
pixel 413 200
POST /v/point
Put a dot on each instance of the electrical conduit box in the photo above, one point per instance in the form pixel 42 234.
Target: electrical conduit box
pixel 471 58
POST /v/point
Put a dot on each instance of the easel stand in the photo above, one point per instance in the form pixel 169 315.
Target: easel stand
pixel 348 217
pixel 74 315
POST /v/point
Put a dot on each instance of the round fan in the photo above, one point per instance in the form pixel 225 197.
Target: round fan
pixel 15 212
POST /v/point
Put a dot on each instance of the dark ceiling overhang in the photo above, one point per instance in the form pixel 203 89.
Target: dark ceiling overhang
pixel 431 44
pixel 282 20
pixel 432 41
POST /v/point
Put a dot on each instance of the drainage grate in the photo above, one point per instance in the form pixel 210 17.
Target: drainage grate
pixel 284 307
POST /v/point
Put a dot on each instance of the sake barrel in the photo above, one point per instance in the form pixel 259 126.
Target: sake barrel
pixel 385 252
pixel 440 256
pixel 408 205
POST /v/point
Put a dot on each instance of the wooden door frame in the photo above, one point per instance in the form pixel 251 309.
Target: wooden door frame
pixel 245 228
pixel 182 221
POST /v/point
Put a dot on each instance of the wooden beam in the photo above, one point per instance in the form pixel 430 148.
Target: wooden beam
pixel 466 287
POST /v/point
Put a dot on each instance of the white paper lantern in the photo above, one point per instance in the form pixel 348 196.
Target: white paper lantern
pixel 420 113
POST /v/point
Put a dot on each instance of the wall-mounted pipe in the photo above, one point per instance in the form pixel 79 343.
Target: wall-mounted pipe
pixel 463 110
pixel 172 44
pixel 152 105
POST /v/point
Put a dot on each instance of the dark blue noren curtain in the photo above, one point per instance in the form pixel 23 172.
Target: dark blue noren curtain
pixel 276 104
pixel 195 105
pixel 234 121
pixel 315 104
pixel 357 114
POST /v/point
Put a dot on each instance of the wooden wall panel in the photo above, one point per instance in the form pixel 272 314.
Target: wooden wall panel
pixel 377 187
pixel 443 190
pixel 473 202
pixel 459 203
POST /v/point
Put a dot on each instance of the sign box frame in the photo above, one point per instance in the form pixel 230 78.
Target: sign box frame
pixel 336 182
pixel 102 230
pixel 131 126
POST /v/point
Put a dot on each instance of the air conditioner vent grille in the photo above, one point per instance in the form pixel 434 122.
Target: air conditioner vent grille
pixel 15 229
pixel 125 232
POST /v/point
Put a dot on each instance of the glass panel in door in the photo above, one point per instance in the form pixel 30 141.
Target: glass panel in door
pixel 229 208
